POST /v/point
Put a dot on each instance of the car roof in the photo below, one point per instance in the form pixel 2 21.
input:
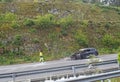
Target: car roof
pixel 87 49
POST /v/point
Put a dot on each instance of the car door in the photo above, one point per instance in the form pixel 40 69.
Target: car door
pixel 87 53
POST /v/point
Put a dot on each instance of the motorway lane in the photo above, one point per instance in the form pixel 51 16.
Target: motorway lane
pixel 49 64
pixel 38 76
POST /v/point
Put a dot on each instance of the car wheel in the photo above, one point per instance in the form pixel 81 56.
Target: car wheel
pixel 96 53
pixel 73 57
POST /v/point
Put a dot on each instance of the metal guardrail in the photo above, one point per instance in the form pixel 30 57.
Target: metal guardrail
pixel 50 70
pixel 96 77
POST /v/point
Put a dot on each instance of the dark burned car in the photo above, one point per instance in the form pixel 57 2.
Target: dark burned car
pixel 84 53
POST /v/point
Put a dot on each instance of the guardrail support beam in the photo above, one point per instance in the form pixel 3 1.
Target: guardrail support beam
pixel 13 76
pixel 74 72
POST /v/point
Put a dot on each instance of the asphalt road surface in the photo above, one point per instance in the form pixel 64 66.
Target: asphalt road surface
pixel 49 64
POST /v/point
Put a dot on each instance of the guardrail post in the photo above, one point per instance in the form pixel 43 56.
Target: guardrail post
pixel 13 76
pixel 50 77
pixel 108 80
pixel 102 80
pixel 74 73
pixel 67 76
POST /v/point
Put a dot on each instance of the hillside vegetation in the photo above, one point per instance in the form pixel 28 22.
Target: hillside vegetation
pixel 58 28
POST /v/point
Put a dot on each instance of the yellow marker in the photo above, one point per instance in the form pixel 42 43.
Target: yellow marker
pixel 41 57
pixel 41 54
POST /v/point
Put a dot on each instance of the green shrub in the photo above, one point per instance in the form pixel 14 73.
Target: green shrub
pixel 1 18
pixel 45 21
pixel 110 42
pixel 63 32
pixel 81 39
pixel 107 8
pixel 107 25
pixel 6 0
pixel 32 30
pixel 119 12
pixel 15 25
pixel 1 44
pixel 107 40
pixel 35 40
pixel 104 51
pixel 53 35
pixel 2 60
pixel 8 17
pixel 17 40
pixel 85 1
pixel 65 22
pixel 84 23
pixel 94 9
pixel 27 58
pixel 28 22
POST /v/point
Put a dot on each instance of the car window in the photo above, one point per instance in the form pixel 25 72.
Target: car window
pixel 88 50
